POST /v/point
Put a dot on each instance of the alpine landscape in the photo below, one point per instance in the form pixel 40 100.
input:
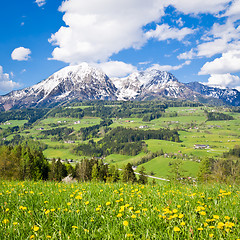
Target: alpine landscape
pixel 120 120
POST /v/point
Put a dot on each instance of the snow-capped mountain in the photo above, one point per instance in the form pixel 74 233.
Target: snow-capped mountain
pixel 73 82
pixel 141 85
pixel 84 82
pixel 227 95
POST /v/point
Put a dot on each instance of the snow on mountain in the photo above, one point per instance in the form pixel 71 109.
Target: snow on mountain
pixel 227 95
pixel 73 82
pixel 150 82
pixel 84 82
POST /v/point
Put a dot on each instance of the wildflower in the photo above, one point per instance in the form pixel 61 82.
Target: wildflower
pixel 69 203
pixel 78 197
pixel 7 209
pixel 133 216
pixel 211 235
pixel 125 223
pixel 32 236
pixel 211 227
pixel 220 225
pixel 176 229
pixel 200 229
pixel 87 202
pixel 180 216
pixel 227 218
pixel 108 203
pixel 175 210
pixel 15 223
pixel 129 235
pixel 49 236
pixel 74 227
pixel 119 215
pixel 35 228
pixel 46 212
pixel 216 216
pixel 86 230
pixel 5 221
pixel 182 223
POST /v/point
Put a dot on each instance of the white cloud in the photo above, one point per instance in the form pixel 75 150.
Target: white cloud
pixel 224 80
pixel 229 62
pixel 95 30
pixel 117 69
pixel 234 9
pixel 168 67
pixel 40 3
pixel 164 32
pixel 5 83
pixel 210 49
pixel 187 55
pixel 199 6
pixel 21 54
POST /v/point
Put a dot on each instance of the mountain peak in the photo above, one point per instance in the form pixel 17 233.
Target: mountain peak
pixel 86 82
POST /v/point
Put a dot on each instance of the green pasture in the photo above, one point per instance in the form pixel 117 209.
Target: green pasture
pixel 14 123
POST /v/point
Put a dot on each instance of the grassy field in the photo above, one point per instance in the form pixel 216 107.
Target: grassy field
pixel 191 123
pixel 48 210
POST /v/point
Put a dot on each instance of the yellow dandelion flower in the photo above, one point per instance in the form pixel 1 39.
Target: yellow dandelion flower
pixel 178 206
pixel 176 229
pixel 35 228
pixel 211 235
pixel 175 211
pixel 125 223
pixel 5 221
pixel 211 227
pixel 32 236
pixel 15 223
pixel 108 203
pixel 119 215
pixel 87 202
pixel 78 197
pixel 69 203
pixel 200 229
pixel 227 217
pixel 180 216
pixel 7 209
pixel 48 236
pixel 86 230
pixel 129 235
pixel 182 223
pixel 74 227
pixel 133 216
pixel 46 212
pixel 53 209
pixel 216 216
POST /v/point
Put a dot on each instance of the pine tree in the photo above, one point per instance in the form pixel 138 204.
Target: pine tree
pixel 142 176
pixel 128 174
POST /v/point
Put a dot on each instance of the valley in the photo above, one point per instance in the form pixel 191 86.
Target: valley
pixel 198 137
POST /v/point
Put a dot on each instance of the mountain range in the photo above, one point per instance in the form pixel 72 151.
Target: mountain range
pixel 85 82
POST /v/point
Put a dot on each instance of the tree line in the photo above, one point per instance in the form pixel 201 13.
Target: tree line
pixel 126 141
pixel 25 163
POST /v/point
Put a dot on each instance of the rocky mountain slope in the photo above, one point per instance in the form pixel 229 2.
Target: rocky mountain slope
pixel 84 82
pixel 73 82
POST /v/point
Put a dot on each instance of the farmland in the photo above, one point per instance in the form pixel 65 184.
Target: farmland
pixel 190 122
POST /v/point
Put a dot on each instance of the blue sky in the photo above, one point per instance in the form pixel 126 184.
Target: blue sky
pixel 195 40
